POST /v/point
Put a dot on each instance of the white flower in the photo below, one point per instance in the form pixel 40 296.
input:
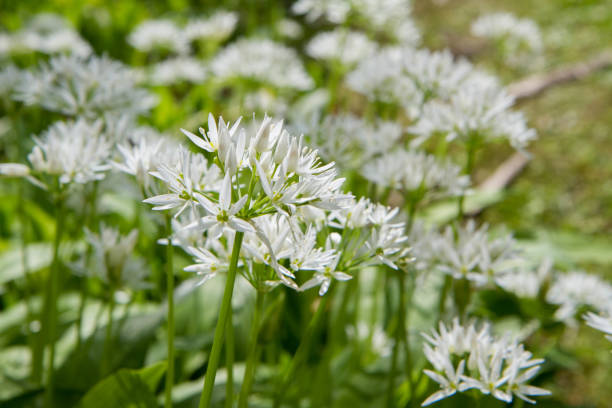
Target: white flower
pixel 289 28
pixel 223 213
pixel 262 60
pixel 323 276
pixel 525 281
pixel 347 47
pixel 159 34
pixel 335 11
pixel 519 37
pixel 600 322
pixel 479 109
pixel 414 170
pixel 189 175
pixel 390 17
pixel 176 70
pixel 217 27
pixel 575 289
pixel 207 263
pixel 73 151
pixel 491 365
pixel 90 87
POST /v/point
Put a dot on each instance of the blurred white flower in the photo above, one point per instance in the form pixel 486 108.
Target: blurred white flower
pixel 346 47
pixel 602 323
pixel 73 151
pixel 464 357
pixel 177 70
pixel 90 87
pixel 161 34
pixel 334 11
pixel 289 28
pixel 573 290
pixel 216 27
pixel 261 60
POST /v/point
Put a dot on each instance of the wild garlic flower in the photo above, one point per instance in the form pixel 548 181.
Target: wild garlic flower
pixel 160 34
pixel 216 27
pixel 113 254
pixel 526 282
pixel 9 77
pixel 519 38
pixel 574 290
pixel 603 323
pixel 253 175
pixel 177 70
pixel 381 78
pixel 478 110
pixel 49 34
pixel 465 357
pixel 334 11
pixel 75 152
pixel 143 153
pixel 289 28
pixel 261 60
pixel 469 252
pixel 390 17
pixel 89 87
pixel 350 141
pixel 414 171
pixel 344 46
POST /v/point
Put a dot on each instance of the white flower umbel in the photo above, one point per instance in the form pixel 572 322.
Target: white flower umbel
pixel 574 290
pixel 72 151
pixel 90 87
pixel 334 11
pixel 350 141
pixel 49 34
pixel 217 27
pixel 603 323
pixel 162 34
pixel 392 18
pixel 465 357
pixel 519 38
pixel 478 110
pixel 9 78
pixel 468 252
pixel 178 70
pixel 526 281
pixel 261 60
pixel 414 171
pixel 343 46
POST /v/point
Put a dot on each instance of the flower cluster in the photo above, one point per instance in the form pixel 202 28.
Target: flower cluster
pixel 465 357
pixel 574 290
pixel 345 47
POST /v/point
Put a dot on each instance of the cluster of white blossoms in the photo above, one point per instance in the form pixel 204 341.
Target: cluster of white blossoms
pixel 177 70
pixel 525 281
pixel 261 60
pixel 350 141
pixel 519 37
pixel 166 35
pixel 334 11
pixel 416 171
pixel 574 290
pixel 343 46
pixel 465 357
pixel 72 151
pixel 470 252
pixel 45 33
pixel 114 261
pixel 89 87
pixel 270 187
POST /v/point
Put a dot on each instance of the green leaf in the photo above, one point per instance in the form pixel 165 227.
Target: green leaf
pixel 126 388
pixel 446 211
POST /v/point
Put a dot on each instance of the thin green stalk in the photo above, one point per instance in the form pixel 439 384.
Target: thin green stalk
pixel 448 280
pixel 396 346
pixel 226 303
pixel 106 366
pixel 52 293
pixel 405 302
pixel 229 361
pixel 469 166
pixel 253 353
pixel 170 300
pixel 302 351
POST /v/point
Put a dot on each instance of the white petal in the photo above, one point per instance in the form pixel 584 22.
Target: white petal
pixel 437 396
pixel 240 225
pixel 197 140
pixel 225 195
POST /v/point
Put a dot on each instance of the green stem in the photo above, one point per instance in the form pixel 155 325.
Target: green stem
pixel 249 373
pixel 52 294
pixel 302 351
pixel 448 280
pixel 226 303
pixel 469 165
pixel 229 361
pixel 106 366
pixel 170 300
pixel 405 336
